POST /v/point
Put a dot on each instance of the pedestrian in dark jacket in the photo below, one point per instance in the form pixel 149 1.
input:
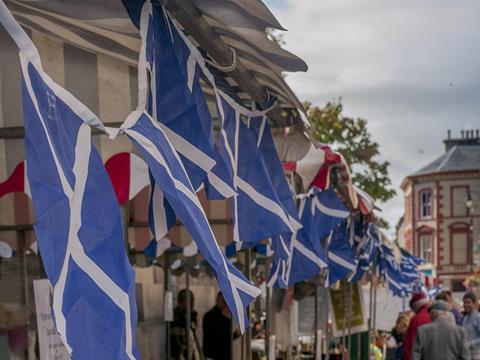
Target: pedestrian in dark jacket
pixel 217 331
pixel 178 330
pixel 442 338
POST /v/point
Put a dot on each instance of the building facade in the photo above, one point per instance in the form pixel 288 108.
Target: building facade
pixel 442 211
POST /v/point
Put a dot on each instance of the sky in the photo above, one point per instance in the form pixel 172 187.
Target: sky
pixel 411 68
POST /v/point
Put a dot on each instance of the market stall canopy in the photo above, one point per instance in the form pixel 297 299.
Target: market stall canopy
pixel 225 31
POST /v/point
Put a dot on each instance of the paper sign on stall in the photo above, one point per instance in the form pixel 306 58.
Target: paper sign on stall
pixel 51 346
pixel 340 307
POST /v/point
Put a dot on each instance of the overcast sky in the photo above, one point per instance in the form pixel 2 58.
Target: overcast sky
pixel 412 68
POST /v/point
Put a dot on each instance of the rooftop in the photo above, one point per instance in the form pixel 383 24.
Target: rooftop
pixel 462 154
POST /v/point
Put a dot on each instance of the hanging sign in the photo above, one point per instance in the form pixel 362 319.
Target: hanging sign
pixel 51 346
pixel 347 309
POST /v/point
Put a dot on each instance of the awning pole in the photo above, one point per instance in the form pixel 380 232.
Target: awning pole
pixel 268 307
pixel 370 313
pixel 165 290
pixel 189 312
pixel 248 333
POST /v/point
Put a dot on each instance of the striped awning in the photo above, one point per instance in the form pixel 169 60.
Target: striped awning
pixel 105 27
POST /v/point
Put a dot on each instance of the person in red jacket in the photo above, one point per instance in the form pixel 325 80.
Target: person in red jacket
pixel 419 304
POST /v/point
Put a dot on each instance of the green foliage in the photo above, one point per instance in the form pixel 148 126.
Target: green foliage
pixel 351 138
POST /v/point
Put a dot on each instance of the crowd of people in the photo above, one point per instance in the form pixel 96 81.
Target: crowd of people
pixel 433 330
pixel 437 329
pixel 218 332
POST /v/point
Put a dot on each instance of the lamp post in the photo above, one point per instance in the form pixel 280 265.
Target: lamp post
pixel 471 205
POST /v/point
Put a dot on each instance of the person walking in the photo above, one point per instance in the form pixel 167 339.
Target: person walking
pixel 217 331
pixel 446 295
pixel 471 323
pixel 419 304
pixel 442 338
pixel 178 333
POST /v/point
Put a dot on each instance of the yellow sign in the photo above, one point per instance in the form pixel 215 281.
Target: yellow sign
pixel 347 309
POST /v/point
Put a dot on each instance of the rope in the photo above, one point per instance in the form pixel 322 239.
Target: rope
pixel 227 68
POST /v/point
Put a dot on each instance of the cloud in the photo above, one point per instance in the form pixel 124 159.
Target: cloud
pixel 409 67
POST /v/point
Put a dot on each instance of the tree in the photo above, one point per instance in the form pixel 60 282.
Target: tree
pixel 351 138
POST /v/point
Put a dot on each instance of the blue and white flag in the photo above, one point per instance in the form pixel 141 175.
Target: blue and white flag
pixel 401 274
pixel 266 145
pixel 172 94
pixel 367 249
pixel 161 216
pixel 171 177
pixel 79 224
pixel 236 246
pixel 341 259
pixel 307 256
pixel 250 179
pixel 175 98
pixel 329 211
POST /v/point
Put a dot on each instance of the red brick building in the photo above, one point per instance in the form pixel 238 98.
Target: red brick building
pixel 440 225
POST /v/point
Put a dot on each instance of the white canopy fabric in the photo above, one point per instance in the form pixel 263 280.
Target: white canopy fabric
pixel 105 27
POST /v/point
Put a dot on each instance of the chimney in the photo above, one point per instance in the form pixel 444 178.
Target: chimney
pixel 467 137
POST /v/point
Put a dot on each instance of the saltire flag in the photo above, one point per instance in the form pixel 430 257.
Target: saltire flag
pixel 17 181
pixel 170 176
pixel 320 213
pixel 282 243
pixel 367 250
pixel 266 145
pixel 341 258
pixel 391 271
pixel 235 246
pixel 249 178
pixel 402 274
pixel 156 248
pixel 79 224
pixel 174 96
pixel 277 277
pixel 307 257
pixel 328 210
pixel 161 216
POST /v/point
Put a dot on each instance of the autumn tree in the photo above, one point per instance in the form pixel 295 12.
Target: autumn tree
pixel 351 138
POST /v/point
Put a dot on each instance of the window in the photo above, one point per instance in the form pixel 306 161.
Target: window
pixel 457 286
pixel 426 247
pixel 458 194
pixel 459 246
pixel 425 204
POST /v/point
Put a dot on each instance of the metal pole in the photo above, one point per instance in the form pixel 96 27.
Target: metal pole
pixel 125 220
pixel 22 248
pixel 189 312
pixel 350 311
pixel 327 332
pixel 248 333
pixel 268 308
pixel 167 323
pixel 370 313
pixel 375 306
pixel 315 327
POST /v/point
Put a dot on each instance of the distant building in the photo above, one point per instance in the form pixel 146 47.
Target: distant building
pixel 442 210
